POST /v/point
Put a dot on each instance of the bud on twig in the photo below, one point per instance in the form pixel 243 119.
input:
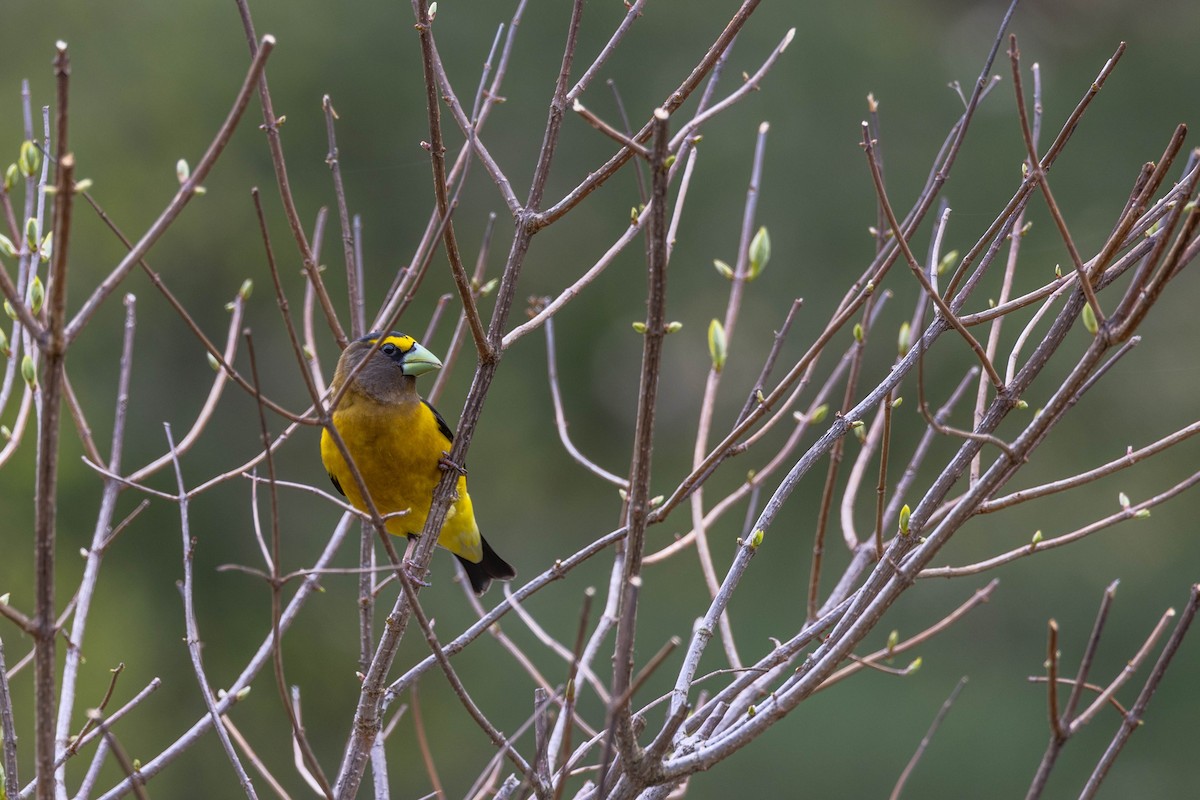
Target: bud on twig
pixel 904 340
pixel 29 371
pixel 37 294
pixel 760 253
pixel 716 344
pixel 30 159
pixel 1089 320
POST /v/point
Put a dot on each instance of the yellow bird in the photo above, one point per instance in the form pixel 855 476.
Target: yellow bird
pixel 399 443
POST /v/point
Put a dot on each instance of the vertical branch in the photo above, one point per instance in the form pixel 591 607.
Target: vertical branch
pixel 8 730
pixel 193 632
pixel 276 583
pixel 437 155
pixel 271 127
pixel 353 288
pixel 1133 720
pixel 101 536
pixel 639 472
pixel 45 497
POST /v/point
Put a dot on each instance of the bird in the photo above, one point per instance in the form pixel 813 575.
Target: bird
pixel 400 445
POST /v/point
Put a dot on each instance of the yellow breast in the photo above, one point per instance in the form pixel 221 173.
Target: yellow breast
pixel 396 450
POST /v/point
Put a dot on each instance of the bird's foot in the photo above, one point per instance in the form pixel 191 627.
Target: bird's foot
pixel 415 573
pixel 451 466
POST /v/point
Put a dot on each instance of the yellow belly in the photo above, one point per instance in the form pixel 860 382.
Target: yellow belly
pixel 396 451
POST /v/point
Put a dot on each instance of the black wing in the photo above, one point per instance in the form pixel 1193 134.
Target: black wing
pixel 442 426
pixel 337 485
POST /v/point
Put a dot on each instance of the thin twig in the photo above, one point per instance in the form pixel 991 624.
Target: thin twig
pixel 933 727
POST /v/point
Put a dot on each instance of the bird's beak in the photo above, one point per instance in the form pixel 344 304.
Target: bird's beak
pixel 418 361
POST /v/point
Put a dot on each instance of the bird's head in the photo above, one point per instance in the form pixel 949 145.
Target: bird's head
pixel 389 367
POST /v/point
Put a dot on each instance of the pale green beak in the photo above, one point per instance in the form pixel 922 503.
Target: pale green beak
pixel 418 361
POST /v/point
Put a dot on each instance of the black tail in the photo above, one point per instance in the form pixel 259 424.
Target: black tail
pixel 489 567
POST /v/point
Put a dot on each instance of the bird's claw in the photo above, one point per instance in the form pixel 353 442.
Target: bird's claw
pixel 414 573
pixel 451 466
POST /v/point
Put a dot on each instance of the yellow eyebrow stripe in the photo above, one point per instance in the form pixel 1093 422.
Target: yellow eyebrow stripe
pixel 405 343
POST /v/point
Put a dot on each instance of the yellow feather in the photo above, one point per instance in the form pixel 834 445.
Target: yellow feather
pixel 396 451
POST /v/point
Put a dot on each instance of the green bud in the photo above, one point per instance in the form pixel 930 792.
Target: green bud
pixel 860 433
pixel 751 711
pixel 212 362
pixel 242 693
pixel 83 185
pixel 639 327
pixel 308 353
pixel 47 247
pixel 670 162
pixel 1058 270
pixel 724 269
pixel 896 403
pixel 31 233
pixel 9 310
pixel 946 261
pixel 1141 513
pixel 760 253
pixel 432 11
pixel 905 514
pixel 633 215
pixel 858 332
pixel 759 397
pixel 674 327
pixel 1089 320
pixel 904 340
pixel 30 159
pixel 1123 499
pixel 818 414
pixel 914 666
pixel 182 170
pixel 1022 405
pixel 716 344
pixel 29 371
pixel 5 434
pixel 756 538
pixel 246 289
pixel 893 640
pixel 37 294
pixel 7 247
pixel 624 495
pixel 489 287
pixel 657 500
pixel 230 306
pixel 5 350
pixel 10 177
pixel 1037 538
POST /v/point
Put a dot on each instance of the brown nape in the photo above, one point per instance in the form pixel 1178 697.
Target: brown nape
pixel 491 566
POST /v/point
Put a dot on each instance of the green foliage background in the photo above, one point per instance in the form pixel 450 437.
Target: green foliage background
pixel 151 83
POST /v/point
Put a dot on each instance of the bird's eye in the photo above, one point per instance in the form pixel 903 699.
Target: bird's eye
pixel 389 349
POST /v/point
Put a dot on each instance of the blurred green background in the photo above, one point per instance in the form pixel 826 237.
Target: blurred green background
pixel 151 83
